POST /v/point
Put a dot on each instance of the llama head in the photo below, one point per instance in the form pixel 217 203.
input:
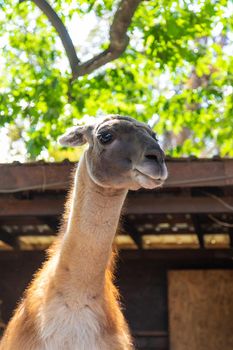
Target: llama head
pixel 122 153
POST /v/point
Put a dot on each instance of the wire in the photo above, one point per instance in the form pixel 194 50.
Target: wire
pixel 41 187
pixel 200 180
pixel 220 222
pixel 45 186
pixel 225 204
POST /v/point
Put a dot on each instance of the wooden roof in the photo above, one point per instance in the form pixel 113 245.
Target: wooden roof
pixel 192 212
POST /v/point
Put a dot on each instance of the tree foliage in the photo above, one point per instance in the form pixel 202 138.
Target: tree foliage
pixel 176 72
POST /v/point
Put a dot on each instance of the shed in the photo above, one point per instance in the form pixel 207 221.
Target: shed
pixel 175 246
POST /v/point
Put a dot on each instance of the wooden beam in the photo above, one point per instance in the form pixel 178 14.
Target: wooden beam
pixel 168 258
pixel 129 227
pixel 37 176
pixel 230 230
pixel 152 203
pixel 146 340
pixel 198 229
pixel 34 207
pixel 56 176
pixel 52 222
pixel 140 203
pixel 183 258
pixel 9 239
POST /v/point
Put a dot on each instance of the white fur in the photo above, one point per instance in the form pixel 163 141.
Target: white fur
pixel 64 329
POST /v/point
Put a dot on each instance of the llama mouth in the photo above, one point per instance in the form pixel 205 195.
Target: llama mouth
pixel 147 180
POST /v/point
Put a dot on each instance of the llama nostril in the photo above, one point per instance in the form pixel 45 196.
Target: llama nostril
pixel 152 157
pixel 156 155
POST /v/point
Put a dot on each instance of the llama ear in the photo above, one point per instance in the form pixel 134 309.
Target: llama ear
pixel 75 136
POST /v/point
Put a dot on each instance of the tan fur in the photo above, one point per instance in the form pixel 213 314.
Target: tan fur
pixel 72 303
pixel 68 285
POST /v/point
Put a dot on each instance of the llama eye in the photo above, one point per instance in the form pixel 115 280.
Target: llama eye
pixel 105 137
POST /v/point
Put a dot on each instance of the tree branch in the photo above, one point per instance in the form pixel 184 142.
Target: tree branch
pixel 117 35
pixel 118 39
pixel 61 30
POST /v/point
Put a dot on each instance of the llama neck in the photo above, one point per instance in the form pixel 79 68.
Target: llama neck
pixel 92 223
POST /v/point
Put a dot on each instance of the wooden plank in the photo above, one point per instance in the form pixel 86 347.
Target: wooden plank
pixel 183 258
pixel 151 343
pixel 199 173
pixel 136 204
pixel 37 207
pixel 129 227
pixel 198 230
pixel 200 309
pixel 152 203
pixel 56 176
pixel 230 231
pixel 168 258
pixel 38 176
pixel 8 239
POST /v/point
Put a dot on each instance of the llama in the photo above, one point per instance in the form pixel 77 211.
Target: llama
pixel 72 303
